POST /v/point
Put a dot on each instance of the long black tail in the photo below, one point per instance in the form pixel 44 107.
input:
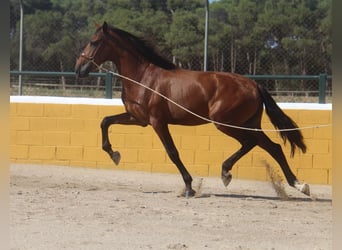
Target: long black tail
pixel 281 121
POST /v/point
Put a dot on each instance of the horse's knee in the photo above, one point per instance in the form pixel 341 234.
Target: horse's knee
pixel 104 123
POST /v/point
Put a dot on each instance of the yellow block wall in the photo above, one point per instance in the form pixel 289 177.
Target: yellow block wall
pixel 70 134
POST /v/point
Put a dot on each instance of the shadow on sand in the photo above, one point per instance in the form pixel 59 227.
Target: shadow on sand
pixel 262 197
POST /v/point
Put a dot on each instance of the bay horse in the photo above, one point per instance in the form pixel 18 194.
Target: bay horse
pixel 225 98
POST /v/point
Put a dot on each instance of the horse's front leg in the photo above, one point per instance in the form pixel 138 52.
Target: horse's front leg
pixel 165 137
pixel 123 119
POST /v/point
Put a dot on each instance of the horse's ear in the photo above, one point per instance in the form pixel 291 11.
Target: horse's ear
pixel 105 27
pixel 97 25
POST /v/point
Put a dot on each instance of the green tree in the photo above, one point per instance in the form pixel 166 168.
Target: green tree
pixel 185 38
pixel 247 37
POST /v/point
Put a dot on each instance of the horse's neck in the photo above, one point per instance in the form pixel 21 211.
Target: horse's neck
pixel 131 67
pixel 132 91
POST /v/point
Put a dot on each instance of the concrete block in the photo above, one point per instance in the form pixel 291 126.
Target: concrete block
pixel 195 142
pixel 57 110
pixel 223 143
pixel 19 151
pixel 29 138
pixel 94 154
pixel 314 117
pixel 255 173
pixel 70 124
pixel 117 140
pixel 56 138
pixel 323 161
pixel 129 155
pixel 69 153
pixel 127 129
pixel 19 123
pixel 43 124
pixel 207 130
pixel 314 176
pixel 198 170
pixel 85 111
pixel 92 125
pixel 30 109
pixel 187 156
pixel 182 130
pixel 13 109
pixel 138 141
pixel 322 133
pixel 13 137
pixel 164 168
pixel 308 133
pixel 214 169
pixel 318 146
pixel 104 111
pixel 259 159
pixel 208 157
pixel 152 156
pixel 84 139
pixel 42 152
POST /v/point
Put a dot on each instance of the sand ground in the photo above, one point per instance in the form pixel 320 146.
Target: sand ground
pixel 54 207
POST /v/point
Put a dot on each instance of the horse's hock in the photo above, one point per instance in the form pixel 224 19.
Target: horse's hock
pixel 66 131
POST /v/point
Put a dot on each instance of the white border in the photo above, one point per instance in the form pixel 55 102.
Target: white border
pixel 66 100
pixel 118 102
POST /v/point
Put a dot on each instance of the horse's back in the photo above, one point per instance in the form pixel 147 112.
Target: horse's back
pixel 216 95
pixel 215 83
pixel 236 97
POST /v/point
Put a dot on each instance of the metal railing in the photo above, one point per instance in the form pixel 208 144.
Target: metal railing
pixel 321 78
pixel 108 78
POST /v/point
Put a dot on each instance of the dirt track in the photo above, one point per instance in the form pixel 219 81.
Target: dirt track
pixel 75 208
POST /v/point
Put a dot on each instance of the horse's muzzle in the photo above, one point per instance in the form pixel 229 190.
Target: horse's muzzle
pixel 83 70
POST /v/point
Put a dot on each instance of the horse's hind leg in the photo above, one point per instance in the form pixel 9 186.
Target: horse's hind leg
pixel 247 143
pixel 124 119
pixel 246 146
pixel 276 152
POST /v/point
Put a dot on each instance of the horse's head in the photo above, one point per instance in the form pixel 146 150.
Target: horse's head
pixel 122 48
pixel 94 52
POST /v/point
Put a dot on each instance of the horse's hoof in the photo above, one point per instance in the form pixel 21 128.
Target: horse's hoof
pixel 304 188
pixel 189 193
pixel 226 178
pixel 116 157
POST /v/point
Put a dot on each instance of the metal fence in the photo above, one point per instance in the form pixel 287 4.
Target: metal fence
pixel 258 44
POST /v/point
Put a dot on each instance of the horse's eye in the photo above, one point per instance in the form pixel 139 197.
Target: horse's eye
pixel 94 43
pixel 81 48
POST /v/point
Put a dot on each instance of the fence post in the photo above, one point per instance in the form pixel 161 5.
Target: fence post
pixel 205 67
pixel 322 87
pixel 20 84
pixel 108 81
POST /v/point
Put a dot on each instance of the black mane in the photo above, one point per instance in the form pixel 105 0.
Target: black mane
pixel 145 49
